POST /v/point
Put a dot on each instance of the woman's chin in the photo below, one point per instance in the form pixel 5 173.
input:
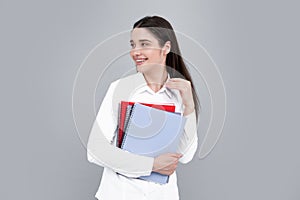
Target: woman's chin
pixel 144 68
pixel 140 68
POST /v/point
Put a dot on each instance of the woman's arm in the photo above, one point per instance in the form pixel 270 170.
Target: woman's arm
pixel 189 140
pixel 101 151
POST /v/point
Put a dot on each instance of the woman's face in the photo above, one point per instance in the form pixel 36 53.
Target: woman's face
pixel 145 50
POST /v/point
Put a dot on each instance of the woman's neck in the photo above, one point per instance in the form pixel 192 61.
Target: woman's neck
pixel 156 80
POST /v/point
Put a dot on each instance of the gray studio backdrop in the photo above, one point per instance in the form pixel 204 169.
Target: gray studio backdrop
pixel 254 43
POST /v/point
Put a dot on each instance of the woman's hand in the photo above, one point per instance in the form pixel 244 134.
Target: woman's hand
pixel 186 93
pixel 166 163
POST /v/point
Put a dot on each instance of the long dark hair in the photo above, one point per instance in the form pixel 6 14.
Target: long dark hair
pixel 163 32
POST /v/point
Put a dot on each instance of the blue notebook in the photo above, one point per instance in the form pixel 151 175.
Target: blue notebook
pixel 151 132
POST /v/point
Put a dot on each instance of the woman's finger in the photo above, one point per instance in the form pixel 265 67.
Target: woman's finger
pixel 179 80
pixel 179 86
pixel 174 85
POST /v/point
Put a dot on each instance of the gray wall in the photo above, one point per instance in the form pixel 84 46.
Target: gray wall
pixel 254 43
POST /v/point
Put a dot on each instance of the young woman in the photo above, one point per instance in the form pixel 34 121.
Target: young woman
pixel 161 77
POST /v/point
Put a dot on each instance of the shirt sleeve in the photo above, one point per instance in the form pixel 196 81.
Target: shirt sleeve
pixel 189 140
pixel 102 151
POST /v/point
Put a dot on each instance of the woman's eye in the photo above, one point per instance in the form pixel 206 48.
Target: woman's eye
pixel 132 45
pixel 144 44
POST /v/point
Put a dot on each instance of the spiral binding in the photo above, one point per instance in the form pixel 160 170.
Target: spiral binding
pixel 128 125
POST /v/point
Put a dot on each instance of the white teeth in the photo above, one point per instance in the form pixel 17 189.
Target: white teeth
pixel 140 61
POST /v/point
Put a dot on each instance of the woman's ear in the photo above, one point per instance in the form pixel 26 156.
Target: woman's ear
pixel 167 47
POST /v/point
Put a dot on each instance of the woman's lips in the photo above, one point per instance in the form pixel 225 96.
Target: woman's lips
pixel 140 61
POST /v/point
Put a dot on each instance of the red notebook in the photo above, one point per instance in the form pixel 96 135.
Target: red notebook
pixel 122 115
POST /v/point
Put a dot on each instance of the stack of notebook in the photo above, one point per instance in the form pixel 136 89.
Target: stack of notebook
pixel 149 130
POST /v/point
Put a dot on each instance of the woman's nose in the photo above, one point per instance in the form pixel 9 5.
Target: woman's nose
pixel 136 52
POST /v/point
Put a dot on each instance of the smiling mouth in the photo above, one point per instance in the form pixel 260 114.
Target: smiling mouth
pixel 140 61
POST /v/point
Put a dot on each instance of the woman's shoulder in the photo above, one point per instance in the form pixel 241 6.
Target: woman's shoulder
pixel 136 78
pixel 121 88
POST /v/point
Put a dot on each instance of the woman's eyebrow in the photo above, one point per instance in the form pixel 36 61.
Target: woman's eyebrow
pixel 142 40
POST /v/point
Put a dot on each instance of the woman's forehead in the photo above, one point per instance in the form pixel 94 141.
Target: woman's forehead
pixel 141 34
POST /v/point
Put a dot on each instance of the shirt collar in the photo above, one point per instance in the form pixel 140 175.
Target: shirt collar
pixel 146 88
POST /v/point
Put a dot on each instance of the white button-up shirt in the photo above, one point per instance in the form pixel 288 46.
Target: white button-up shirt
pixel 124 186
